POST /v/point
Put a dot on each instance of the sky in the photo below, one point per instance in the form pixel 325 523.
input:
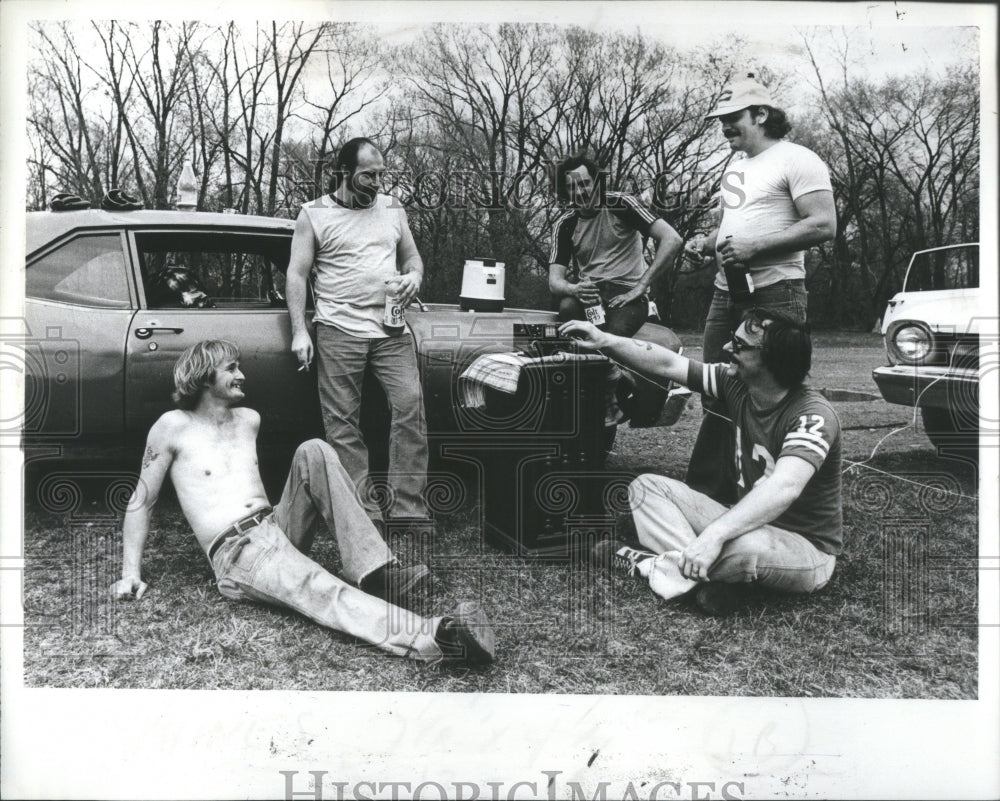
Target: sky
pixel 883 38
pixel 876 45
pixel 888 36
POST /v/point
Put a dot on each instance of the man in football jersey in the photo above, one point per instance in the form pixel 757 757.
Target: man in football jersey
pixel 786 529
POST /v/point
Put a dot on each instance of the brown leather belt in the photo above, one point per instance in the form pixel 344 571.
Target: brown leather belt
pixel 239 527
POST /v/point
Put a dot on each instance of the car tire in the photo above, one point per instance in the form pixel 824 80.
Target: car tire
pixel 950 430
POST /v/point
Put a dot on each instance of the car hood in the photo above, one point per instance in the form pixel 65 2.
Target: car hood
pixel 953 310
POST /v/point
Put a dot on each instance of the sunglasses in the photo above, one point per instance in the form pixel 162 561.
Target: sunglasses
pixel 739 345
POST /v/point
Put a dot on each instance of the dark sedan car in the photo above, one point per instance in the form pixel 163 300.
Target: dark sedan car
pixel 114 297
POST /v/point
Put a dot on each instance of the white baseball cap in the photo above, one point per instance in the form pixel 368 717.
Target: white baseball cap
pixel 740 95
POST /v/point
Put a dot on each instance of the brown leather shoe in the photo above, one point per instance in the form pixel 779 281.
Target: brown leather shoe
pixel 467 636
pixel 401 586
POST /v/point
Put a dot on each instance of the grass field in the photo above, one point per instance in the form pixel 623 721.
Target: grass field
pixel 898 620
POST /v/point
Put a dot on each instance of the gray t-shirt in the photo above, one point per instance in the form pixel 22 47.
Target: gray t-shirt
pixel 355 256
pixel 758 197
pixel 606 248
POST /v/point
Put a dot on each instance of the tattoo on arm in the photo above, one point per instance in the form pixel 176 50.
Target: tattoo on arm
pixel 148 457
pixel 640 344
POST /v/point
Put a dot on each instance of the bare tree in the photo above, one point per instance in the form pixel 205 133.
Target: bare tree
pixel 203 94
pixel 68 143
pixel 246 73
pixel 354 62
pixel 145 70
pixel 473 121
pixel 905 159
pixel 292 44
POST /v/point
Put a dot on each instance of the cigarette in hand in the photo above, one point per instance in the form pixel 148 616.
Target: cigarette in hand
pixel 302 367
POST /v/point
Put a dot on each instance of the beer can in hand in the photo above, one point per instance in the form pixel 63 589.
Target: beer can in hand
pixel 595 314
pixel 392 319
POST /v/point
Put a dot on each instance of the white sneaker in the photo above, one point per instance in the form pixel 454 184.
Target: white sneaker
pixel 631 561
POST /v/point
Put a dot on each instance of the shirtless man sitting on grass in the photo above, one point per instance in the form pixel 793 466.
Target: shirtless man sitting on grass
pixel 209 448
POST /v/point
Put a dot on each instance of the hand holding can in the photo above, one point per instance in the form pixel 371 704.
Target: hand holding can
pixel 586 292
pixel 595 314
pixel 392 318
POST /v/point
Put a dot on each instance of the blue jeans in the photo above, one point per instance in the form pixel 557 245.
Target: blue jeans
pixel 669 516
pixel 269 563
pixel 712 469
pixel 342 360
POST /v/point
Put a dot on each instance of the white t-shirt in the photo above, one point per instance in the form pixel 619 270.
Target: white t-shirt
pixel 355 256
pixel 758 197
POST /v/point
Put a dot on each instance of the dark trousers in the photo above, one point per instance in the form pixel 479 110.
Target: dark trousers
pixel 623 321
pixel 642 399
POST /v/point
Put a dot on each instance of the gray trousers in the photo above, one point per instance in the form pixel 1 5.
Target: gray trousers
pixel 342 360
pixel 269 563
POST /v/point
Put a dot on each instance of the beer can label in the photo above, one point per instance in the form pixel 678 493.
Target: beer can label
pixel 595 314
pixel 393 317
pixel 653 311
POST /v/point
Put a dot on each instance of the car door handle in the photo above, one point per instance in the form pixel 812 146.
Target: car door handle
pixel 146 333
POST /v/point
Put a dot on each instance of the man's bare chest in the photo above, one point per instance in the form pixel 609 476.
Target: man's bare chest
pixel 214 453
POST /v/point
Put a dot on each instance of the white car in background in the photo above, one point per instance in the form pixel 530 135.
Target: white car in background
pixel 931 331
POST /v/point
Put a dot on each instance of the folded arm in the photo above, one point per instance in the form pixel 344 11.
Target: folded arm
pixel 584 290
pixel 764 504
pixel 668 245
pixel 818 223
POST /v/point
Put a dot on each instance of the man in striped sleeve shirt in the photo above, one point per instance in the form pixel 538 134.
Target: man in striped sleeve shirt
pixel 603 235
pixel 786 529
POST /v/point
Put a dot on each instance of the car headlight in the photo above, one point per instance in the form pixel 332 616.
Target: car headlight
pixel 911 343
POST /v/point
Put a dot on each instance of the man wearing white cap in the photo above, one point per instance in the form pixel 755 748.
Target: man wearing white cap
pixel 776 203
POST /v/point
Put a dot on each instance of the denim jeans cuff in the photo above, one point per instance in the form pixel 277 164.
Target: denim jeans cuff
pixel 391 561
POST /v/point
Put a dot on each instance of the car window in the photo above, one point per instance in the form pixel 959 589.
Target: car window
pixel 198 269
pixel 86 271
pixel 954 268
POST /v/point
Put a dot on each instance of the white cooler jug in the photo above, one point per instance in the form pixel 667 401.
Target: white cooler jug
pixel 482 286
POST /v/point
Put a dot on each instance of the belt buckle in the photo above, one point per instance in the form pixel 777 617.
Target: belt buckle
pixel 252 521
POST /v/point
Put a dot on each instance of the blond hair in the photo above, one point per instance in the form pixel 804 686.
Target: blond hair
pixel 195 369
